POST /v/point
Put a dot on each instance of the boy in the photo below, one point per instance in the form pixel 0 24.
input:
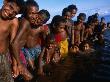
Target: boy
pixel 8 30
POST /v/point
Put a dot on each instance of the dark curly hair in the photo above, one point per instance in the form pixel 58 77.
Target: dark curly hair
pixel 46 14
pixel 71 7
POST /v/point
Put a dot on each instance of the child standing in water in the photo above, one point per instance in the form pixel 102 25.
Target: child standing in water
pixel 79 29
pixel 88 33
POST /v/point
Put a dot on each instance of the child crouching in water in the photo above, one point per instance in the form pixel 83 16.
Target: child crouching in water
pixel 50 56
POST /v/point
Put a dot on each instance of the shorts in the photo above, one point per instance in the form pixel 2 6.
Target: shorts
pixel 32 53
pixel 5 69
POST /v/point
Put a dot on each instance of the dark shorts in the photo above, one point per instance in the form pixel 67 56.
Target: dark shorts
pixel 5 69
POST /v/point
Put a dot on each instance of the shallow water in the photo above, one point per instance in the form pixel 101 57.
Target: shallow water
pixel 100 71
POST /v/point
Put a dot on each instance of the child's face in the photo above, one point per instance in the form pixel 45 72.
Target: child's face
pixel 103 20
pixel 41 19
pixel 73 13
pixel 67 15
pixel 9 10
pixel 90 25
pixel 97 22
pixel 75 49
pixel 86 47
pixel 81 19
pixel 32 14
pixel 61 27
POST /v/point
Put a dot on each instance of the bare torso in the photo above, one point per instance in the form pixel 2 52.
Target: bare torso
pixel 77 30
pixel 32 39
pixel 27 37
pixel 4 35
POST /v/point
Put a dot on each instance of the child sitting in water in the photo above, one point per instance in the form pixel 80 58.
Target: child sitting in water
pixel 87 60
pixel 74 50
pixel 86 47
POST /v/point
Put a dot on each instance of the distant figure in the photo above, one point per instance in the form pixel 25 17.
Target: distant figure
pixel 108 25
pixel 103 24
pixel 100 42
pixel 102 21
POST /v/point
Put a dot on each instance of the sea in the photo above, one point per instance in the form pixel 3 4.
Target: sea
pixel 102 71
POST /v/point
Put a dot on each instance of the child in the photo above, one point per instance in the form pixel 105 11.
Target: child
pixel 73 9
pixel 33 45
pixel 74 49
pixel 79 29
pixel 100 42
pixel 108 25
pixel 69 24
pixel 61 36
pixel 88 32
pixel 86 48
pixel 49 55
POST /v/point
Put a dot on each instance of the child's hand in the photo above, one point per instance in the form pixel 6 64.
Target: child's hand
pixel 15 71
pixel 40 72
pixel 44 29
pixel 48 57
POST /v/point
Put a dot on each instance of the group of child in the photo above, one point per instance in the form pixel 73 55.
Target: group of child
pixel 40 45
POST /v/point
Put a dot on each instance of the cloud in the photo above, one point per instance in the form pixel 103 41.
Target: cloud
pixel 103 10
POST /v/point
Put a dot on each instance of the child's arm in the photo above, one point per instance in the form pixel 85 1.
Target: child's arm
pixel 48 56
pixel 82 33
pixel 40 66
pixel 72 35
pixel 85 34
